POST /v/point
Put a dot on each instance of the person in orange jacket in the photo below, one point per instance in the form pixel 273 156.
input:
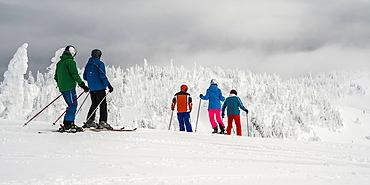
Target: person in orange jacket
pixel 184 104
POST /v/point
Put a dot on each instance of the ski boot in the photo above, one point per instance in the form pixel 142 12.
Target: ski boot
pixel 90 123
pixel 103 124
pixel 70 127
pixel 215 130
pixel 75 128
pixel 222 128
pixel 66 126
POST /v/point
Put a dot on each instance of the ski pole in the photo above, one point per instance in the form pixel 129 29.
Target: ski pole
pixel 233 128
pixel 196 124
pixel 248 125
pixel 42 110
pixel 169 126
pixel 97 106
pixel 82 103
pixel 68 107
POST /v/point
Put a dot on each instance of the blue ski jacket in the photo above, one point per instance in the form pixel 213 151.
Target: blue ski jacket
pixel 233 103
pixel 95 74
pixel 214 95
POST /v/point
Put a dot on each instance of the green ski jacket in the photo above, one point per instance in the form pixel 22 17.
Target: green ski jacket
pixel 66 73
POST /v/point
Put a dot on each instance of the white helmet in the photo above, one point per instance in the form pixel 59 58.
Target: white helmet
pixel 71 50
pixel 213 82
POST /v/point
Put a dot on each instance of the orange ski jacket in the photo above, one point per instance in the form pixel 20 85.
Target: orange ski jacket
pixel 184 102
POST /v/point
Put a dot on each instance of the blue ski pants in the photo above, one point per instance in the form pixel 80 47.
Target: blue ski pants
pixel 184 121
pixel 70 97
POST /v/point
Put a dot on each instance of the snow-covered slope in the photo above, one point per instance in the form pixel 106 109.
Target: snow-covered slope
pixel 150 157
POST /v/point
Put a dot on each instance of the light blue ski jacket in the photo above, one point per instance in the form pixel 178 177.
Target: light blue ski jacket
pixel 214 95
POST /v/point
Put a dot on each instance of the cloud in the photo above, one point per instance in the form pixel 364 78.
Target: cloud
pixel 239 33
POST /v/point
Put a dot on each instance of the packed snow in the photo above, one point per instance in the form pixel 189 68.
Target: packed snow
pixel 307 130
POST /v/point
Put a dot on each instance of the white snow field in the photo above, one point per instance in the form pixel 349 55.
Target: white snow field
pixel 175 158
pixel 312 130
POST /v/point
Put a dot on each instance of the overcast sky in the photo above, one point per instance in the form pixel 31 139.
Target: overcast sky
pixel 286 37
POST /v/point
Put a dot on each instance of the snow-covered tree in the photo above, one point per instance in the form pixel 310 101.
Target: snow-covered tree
pixel 13 87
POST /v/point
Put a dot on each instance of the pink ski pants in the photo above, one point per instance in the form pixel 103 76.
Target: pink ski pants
pixel 212 113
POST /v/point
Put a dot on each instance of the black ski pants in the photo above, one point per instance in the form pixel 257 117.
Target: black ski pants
pixel 96 98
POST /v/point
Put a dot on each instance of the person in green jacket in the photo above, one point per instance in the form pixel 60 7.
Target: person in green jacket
pixel 67 77
pixel 233 103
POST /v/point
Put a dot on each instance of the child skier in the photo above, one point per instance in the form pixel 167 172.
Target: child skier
pixel 233 103
pixel 214 96
pixel 184 107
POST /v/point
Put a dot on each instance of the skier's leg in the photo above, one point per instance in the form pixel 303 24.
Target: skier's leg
pixel 211 114
pixel 70 97
pixel 180 117
pixel 229 124
pixel 238 125
pixel 94 104
pixel 103 106
pixel 187 122
pixel 218 117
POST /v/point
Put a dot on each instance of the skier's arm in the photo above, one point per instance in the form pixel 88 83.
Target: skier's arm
pixel 173 103
pixel 56 76
pixel 73 71
pixel 240 104
pixel 102 74
pixel 85 74
pixel 205 97
pixel 222 98
pixel 190 100
pixel 224 106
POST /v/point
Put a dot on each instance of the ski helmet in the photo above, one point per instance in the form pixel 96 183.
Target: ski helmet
pixel 233 92
pixel 184 87
pixel 71 50
pixel 213 82
pixel 96 53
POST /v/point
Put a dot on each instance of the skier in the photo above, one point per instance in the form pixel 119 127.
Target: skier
pixel 233 103
pixel 66 76
pixel 97 80
pixel 184 107
pixel 214 96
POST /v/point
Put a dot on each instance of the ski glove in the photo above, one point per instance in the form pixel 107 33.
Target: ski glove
pixel 223 115
pixel 83 86
pixel 200 96
pixel 110 88
pixel 246 110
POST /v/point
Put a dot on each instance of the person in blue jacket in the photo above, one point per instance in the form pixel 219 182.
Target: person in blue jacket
pixel 97 80
pixel 214 97
pixel 233 103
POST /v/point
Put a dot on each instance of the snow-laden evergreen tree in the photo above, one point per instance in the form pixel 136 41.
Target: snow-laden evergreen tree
pixel 13 87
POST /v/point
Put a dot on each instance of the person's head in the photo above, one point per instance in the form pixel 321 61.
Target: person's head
pixel 213 82
pixel 184 88
pixel 233 92
pixel 96 53
pixel 70 50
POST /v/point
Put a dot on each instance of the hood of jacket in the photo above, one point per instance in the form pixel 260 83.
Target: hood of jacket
pixel 66 56
pixel 213 88
pixel 93 60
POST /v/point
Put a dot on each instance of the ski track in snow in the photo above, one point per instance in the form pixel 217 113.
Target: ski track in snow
pixel 170 157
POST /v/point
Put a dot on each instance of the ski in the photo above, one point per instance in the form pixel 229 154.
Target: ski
pixel 95 130
pixel 120 129
pixel 42 132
